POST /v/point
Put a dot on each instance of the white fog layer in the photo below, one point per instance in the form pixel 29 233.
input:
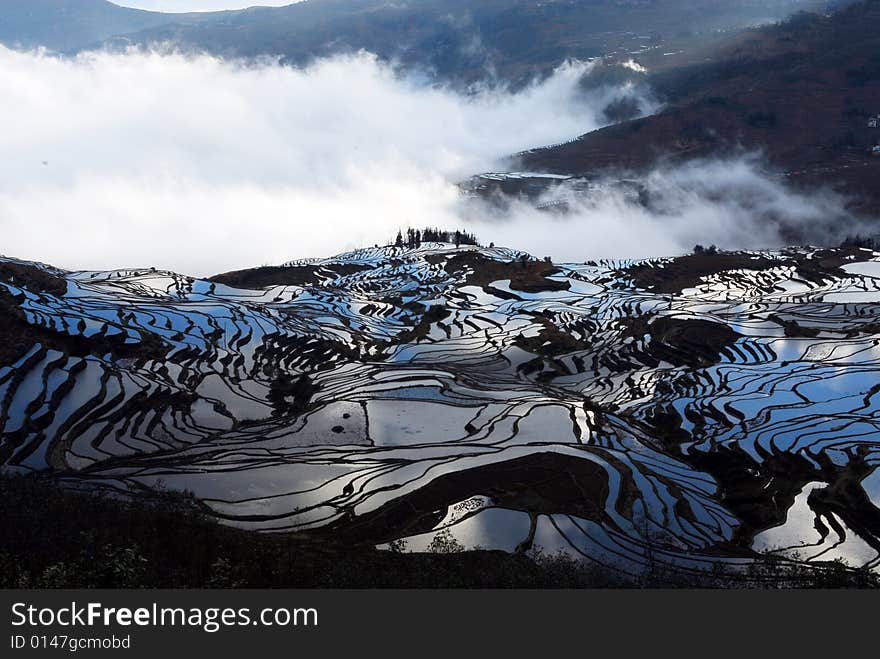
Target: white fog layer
pixel 200 165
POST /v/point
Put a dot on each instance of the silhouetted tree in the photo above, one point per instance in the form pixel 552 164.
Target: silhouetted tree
pixel 415 237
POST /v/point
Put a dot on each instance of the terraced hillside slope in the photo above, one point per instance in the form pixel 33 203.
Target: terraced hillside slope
pixel 688 410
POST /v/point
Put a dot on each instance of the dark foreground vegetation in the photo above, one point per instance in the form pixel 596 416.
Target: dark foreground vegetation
pixel 54 537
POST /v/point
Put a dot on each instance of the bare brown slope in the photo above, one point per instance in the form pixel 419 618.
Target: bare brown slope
pixel 801 92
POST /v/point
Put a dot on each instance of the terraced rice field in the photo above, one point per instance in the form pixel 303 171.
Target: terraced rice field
pixel 687 411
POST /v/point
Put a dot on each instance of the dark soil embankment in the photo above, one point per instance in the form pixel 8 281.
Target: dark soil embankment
pixel 295 275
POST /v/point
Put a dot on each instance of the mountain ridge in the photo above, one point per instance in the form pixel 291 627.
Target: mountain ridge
pixel 69 24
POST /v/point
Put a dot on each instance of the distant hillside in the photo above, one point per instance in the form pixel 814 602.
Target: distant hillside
pixel 71 24
pixel 457 39
pixel 804 92
pixel 465 39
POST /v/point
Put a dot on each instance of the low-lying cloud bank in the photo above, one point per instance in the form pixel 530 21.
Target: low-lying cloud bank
pixel 732 203
pixel 200 165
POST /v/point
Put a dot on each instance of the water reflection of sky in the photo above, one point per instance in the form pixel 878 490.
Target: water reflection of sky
pixel 798 537
pixel 384 426
pixel 491 528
